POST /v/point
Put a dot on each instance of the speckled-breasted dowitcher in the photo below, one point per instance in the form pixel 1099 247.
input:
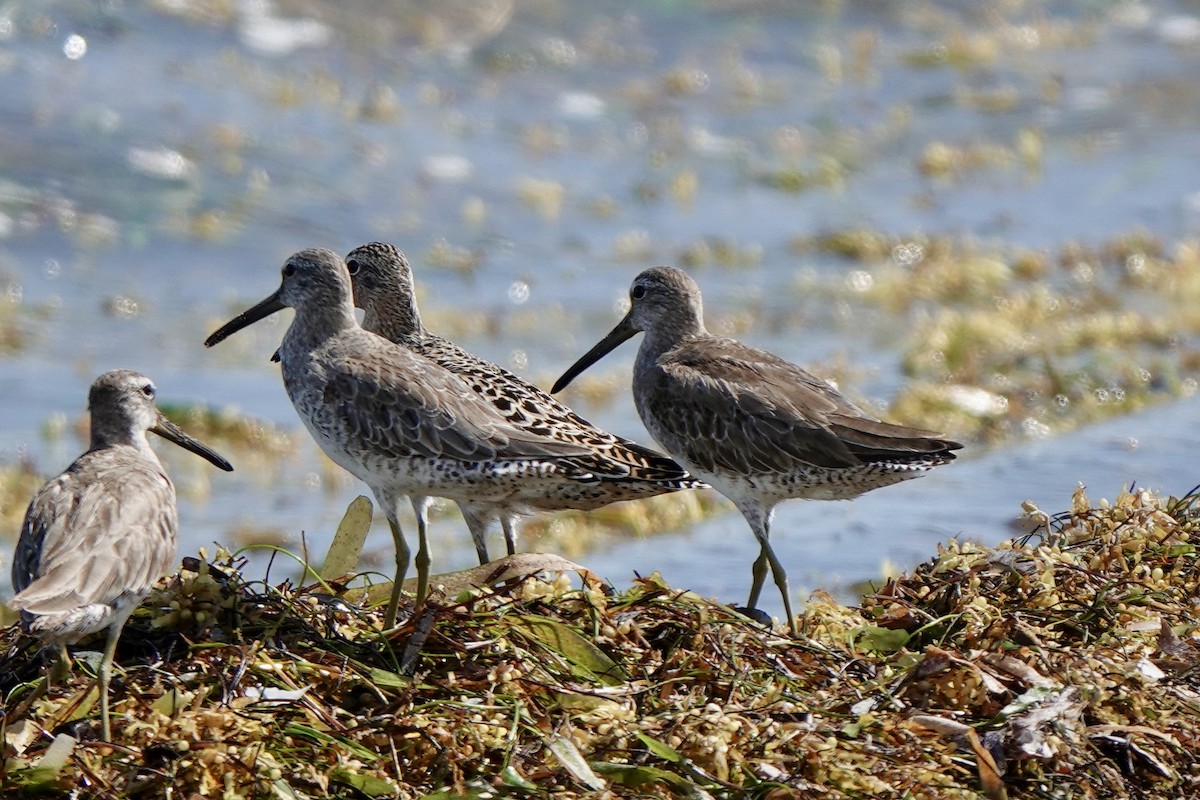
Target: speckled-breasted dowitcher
pixel 613 469
pixel 757 428
pixel 97 537
pixel 396 420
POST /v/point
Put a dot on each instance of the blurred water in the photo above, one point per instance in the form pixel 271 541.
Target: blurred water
pixel 152 186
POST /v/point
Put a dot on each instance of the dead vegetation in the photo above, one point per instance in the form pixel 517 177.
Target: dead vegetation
pixel 1059 665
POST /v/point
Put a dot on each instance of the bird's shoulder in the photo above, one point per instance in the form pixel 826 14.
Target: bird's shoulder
pixel 518 400
pixel 756 380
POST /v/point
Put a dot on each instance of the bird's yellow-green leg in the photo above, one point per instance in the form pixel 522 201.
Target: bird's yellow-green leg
pixel 421 507
pixel 105 672
pixel 508 522
pixel 402 557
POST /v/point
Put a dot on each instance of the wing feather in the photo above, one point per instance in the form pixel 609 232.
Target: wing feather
pixel 405 405
pixel 610 455
pixel 724 405
pixel 103 529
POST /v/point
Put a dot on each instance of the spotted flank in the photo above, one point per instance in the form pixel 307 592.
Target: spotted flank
pixel 609 468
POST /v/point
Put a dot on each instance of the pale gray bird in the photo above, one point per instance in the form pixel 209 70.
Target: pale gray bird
pixel 757 428
pixel 96 538
pixel 397 421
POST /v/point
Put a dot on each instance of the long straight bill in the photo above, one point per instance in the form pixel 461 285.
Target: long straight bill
pixel 172 433
pixel 616 336
pixel 248 317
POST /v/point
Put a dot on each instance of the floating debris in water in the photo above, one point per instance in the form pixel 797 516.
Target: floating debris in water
pixel 259 29
pixel 160 162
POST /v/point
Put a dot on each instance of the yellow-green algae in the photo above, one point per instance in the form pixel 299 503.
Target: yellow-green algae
pixel 1057 665
pixel 18 482
pixel 1005 342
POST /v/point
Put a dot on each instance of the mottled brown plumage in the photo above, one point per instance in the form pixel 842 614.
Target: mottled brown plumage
pixel 611 470
pixel 757 428
pixel 97 537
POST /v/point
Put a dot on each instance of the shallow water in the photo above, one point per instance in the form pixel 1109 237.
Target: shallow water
pixel 530 165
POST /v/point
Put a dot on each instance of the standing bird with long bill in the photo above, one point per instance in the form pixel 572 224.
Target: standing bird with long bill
pixel 755 427
pixel 96 538
pixel 399 422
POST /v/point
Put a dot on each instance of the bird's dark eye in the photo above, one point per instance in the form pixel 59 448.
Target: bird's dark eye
pixel 638 292
pixel 289 270
pixel 353 266
pixel 148 390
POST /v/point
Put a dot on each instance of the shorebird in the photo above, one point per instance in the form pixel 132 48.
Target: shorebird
pixel 97 537
pixel 613 469
pixel 757 428
pixel 397 421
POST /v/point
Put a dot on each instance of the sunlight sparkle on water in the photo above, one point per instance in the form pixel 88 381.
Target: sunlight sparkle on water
pixel 75 47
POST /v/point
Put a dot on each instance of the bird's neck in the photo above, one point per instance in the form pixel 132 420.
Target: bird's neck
pixel 395 320
pixel 316 323
pixel 105 438
pixel 669 334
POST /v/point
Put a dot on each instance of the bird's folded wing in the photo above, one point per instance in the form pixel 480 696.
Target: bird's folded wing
pixel 102 533
pixel 745 410
pixel 426 411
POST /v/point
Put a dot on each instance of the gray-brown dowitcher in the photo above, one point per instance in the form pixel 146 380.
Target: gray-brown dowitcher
pixel 614 469
pixel 757 428
pixel 396 420
pixel 97 537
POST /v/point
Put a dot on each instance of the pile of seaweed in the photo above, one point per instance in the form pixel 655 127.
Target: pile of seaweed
pixel 1060 664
